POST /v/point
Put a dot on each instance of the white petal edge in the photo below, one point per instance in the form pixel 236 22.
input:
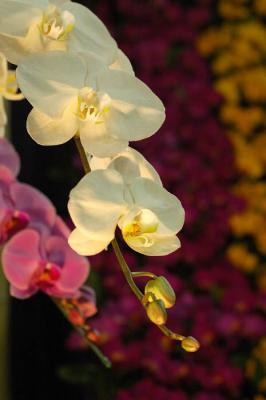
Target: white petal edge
pixel 162 246
pixel 96 204
pixel 84 245
pixel 47 83
pixel 96 140
pixel 167 207
pixel 47 131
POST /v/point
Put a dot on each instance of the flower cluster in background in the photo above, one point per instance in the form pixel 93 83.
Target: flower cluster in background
pixel 197 161
pixel 236 50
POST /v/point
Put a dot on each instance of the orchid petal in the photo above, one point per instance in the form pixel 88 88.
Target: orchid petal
pixel 129 163
pixel 96 140
pixel 21 258
pixel 75 268
pixel 46 82
pixel 16 17
pixel 48 131
pixel 149 195
pixel 86 245
pixel 33 202
pixel 22 294
pixel 3 117
pixel 3 70
pixel 161 245
pixel 89 33
pixel 122 63
pixel 135 112
pixel 96 203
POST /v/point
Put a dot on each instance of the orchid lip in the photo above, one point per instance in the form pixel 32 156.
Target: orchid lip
pixel 47 275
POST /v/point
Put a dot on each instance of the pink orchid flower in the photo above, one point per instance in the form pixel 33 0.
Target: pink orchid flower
pixel 21 205
pixel 33 262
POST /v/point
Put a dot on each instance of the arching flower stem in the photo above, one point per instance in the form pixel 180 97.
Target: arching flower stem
pixel 129 276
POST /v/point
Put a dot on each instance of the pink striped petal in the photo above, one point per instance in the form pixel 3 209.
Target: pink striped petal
pixel 75 268
pixel 37 205
pixel 21 259
pixel 22 294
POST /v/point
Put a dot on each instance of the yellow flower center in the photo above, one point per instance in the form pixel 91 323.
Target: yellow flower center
pixel 92 105
pixel 140 227
pixel 55 24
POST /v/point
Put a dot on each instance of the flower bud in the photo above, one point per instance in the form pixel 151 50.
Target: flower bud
pixel 156 312
pixel 190 344
pixel 162 290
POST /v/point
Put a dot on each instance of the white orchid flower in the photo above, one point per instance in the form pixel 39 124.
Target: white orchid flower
pixel 8 90
pixel 32 26
pixel 129 163
pixel 76 93
pixel 148 215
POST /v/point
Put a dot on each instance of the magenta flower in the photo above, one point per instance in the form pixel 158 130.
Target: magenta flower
pixel 32 262
pixel 23 206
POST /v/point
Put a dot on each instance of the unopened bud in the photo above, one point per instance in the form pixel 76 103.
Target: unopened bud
pixel 190 344
pixel 156 312
pixel 162 290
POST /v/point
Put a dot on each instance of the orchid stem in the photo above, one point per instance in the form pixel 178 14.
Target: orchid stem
pixel 120 258
pixel 146 274
pixel 126 271
pixel 105 360
pixel 82 155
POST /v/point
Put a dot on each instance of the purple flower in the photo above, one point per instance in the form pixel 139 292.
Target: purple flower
pixel 32 262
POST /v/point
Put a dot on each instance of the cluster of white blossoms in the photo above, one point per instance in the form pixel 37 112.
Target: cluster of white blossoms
pixel 81 84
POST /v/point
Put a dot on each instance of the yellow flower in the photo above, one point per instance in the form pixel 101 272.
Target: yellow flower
pixel 246 158
pixel 239 255
pixel 233 9
pixel 213 39
pixel 253 84
pixel 260 145
pixel 228 88
pixel 246 223
pixel 260 6
pixel 243 119
pixel 261 241
pixel 254 32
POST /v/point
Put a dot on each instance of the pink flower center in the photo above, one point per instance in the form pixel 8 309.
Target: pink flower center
pixel 13 222
pixel 50 273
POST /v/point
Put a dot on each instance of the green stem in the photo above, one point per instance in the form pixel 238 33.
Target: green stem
pixel 126 270
pixel 146 274
pixel 171 334
pixel 82 154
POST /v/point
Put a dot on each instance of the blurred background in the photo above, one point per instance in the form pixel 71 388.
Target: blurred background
pixel 206 60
